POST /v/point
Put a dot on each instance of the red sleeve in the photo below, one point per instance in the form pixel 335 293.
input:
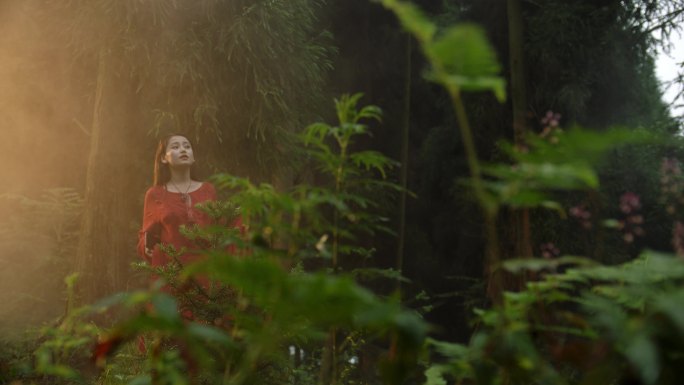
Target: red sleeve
pixel 211 192
pixel 150 220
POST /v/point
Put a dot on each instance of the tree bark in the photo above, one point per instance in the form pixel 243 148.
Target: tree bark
pixel 519 219
pixel 84 257
pixel 517 71
pixel 405 126
pixel 106 243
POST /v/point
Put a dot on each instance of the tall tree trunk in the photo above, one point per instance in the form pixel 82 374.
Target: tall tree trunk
pixel 84 258
pixel 517 71
pixel 105 244
pixel 405 125
pixel 519 219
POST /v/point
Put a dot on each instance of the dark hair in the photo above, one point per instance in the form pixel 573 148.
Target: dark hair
pixel 162 174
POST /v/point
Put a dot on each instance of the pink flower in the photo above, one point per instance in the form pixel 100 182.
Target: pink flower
pixel 549 250
pixel 670 166
pixel 551 119
pixel 629 201
pixel 581 214
pixel 630 224
pixel 671 185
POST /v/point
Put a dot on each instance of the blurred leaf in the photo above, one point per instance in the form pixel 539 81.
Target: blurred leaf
pixel 141 380
pixel 370 112
pixel 413 19
pixel 434 375
pixel 371 273
pixel 537 264
pixel 529 184
pixel 495 84
pixel 463 50
pixel 546 175
pixel 448 349
pixel 372 160
pixel 611 224
pixel 643 355
pixel 580 145
pixel 208 333
pixel 467 59
pixel 165 306
pixel 671 305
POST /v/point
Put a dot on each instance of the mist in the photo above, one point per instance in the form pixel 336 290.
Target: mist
pixel 89 87
pixel 45 147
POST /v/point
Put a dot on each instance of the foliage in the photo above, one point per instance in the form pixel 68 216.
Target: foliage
pixel 575 321
pixel 562 161
pixel 578 322
pixel 249 70
pixel 67 344
pixel 276 298
pixel 51 218
pixel 205 64
pixel 265 287
pixel 37 237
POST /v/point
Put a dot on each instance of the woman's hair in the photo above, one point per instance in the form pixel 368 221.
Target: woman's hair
pixel 162 174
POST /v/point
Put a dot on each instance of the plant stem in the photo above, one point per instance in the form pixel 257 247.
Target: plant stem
pixel 489 207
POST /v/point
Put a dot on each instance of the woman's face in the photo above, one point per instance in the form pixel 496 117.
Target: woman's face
pixel 178 152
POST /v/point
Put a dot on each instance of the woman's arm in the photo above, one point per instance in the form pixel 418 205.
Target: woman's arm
pixel 150 233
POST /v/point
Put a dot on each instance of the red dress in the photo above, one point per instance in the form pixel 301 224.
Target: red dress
pixel 164 213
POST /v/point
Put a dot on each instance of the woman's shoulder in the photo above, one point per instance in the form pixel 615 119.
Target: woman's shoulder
pixel 154 191
pixel 207 186
pixel 208 189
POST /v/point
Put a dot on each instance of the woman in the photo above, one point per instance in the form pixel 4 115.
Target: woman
pixel 171 202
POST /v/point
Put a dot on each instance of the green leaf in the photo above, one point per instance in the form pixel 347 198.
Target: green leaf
pixel 434 375
pixel 372 159
pixel 413 19
pixel 463 57
pixel 495 84
pixel 209 333
pixel 316 131
pixel 141 380
pixel 670 304
pixel 346 108
pixel 448 349
pixel 71 279
pixel 370 112
pixel 611 223
pixel 165 306
pixel 580 144
pixel 369 273
pixel 543 176
pixel 642 353
pixel 463 50
pixel 537 264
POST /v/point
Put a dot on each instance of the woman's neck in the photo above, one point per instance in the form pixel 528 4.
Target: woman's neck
pixel 181 176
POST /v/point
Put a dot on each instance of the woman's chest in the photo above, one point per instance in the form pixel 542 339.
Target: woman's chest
pixel 174 210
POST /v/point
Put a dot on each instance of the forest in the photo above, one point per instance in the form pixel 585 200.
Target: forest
pixel 431 192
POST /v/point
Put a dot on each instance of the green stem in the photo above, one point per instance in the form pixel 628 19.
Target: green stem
pixel 338 187
pixel 488 206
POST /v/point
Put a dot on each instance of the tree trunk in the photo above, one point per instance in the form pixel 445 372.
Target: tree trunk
pixel 517 71
pixel 106 243
pixel 405 126
pixel 519 221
